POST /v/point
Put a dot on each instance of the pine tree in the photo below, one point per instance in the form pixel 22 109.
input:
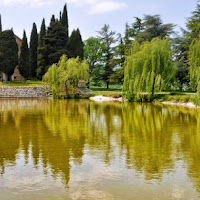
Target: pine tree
pixel 33 51
pixel 8 52
pixel 193 25
pixel 75 45
pixel 24 66
pixel 108 39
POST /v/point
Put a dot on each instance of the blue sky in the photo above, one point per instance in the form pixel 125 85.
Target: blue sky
pixel 90 15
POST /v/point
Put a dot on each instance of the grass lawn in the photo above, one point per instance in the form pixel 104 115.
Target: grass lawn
pixel 113 91
pixel 22 83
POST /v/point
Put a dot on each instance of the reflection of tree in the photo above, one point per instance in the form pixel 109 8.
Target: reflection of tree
pixel 9 140
pixel 56 132
pixel 148 139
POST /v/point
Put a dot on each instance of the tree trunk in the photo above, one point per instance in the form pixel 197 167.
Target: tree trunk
pixel 107 85
pixel 6 78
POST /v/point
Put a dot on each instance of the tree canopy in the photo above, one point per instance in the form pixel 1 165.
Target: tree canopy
pixel 148 68
pixel 65 75
pixel 24 65
pixel 8 52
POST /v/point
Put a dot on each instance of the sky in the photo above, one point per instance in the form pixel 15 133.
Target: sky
pixel 91 15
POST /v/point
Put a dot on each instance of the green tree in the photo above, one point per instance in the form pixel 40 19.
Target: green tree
pixel 33 51
pixel 193 25
pixel 8 53
pixel 42 34
pixel 93 53
pixel 194 59
pixel 41 58
pixel 181 60
pixel 53 48
pixel 108 39
pixel 120 52
pixel 152 27
pixel 24 65
pixel 75 45
pixel 64 20
pixel 148 68
pixel 65 75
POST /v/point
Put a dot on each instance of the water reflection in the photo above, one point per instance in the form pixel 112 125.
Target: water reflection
pixel 56 135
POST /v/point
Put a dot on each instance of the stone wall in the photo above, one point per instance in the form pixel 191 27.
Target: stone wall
pixel 25 92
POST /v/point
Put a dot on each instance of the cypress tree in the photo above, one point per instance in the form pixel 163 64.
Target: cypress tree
pixel 33 51
pixel 64 20
pixel 42 33
pixel 53 48
pixel 8 52
pixel 41 57
pixel 24 58
pixel 75 44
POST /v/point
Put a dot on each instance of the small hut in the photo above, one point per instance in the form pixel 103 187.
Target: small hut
pixel 16 76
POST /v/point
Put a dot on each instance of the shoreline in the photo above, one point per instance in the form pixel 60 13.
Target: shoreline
pixel 101 98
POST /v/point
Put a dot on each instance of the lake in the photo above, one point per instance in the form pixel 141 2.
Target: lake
pixel 79 149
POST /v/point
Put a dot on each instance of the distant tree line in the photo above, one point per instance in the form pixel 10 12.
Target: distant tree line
pixel 45 48
pixel 150 56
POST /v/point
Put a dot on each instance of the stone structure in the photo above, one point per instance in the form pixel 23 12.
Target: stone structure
pixel 25 92
pixel 16 71
pixel 16 76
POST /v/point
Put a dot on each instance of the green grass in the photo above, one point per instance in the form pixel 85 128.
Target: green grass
pixel 22 83
pixel 175 97
pixel 113 91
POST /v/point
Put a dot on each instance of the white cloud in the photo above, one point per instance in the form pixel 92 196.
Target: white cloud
pixel 99 6
pixel 92 6
pixel 31 3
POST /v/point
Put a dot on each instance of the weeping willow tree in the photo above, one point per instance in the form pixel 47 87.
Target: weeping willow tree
pixel 65 75
pixel 194 59
pixel 148 69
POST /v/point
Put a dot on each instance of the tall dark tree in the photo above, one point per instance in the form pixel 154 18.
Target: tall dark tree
pixel 108 39
pixel 41 58
pixel 53 48
pixel 8 53
pixel 24 65
pixel 0 24
pixel 33 51
pixel 42 34
pixel 64 20
pixel 75 45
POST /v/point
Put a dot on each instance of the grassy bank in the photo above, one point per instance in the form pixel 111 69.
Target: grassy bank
pixel 22 83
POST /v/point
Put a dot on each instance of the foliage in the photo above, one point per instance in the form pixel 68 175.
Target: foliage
pixel 75 45
pixel 33 51
pixel 148 68
pixel 194 59
pixel 64 20
pixel 54 46
pixel 107 39
pixel 8 52
pixel 65 75
pixel 24 65
pixel 93 53
pixel 193 25
pixel 181 60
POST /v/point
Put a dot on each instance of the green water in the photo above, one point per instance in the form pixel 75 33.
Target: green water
pixel 86 150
